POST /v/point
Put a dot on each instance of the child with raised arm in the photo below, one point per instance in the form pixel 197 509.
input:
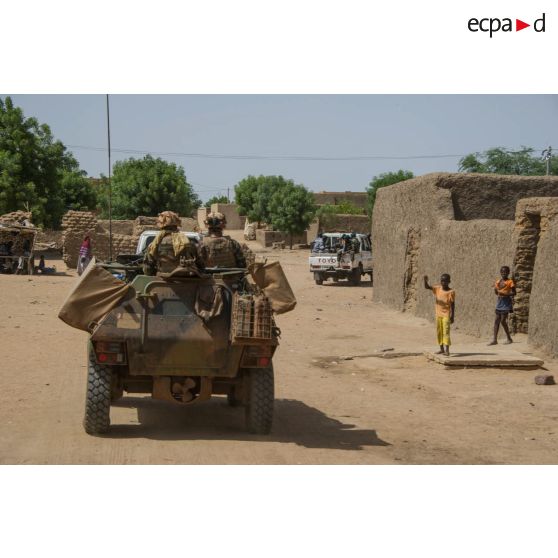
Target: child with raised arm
pixel 445 311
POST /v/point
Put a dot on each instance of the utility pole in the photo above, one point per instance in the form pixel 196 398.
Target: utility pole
pixel 228 197
pixel 110 183
pixel 547 156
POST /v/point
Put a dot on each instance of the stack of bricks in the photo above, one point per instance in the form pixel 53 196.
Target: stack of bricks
pixel 77 225
pixel 15 217
pixel 144 224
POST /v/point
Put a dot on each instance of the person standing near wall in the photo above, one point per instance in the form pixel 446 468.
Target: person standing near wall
pixel 445 311
pixel 504 288
pixel 85 255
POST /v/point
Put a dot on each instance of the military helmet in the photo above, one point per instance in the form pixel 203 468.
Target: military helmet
pixel 168 219
pixel 215 220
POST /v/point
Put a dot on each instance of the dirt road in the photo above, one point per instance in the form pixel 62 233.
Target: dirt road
pixel 366 410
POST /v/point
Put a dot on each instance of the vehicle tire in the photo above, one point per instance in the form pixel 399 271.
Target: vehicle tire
pixel 261 396
pixel 355 277
pixel 233 401
pixel 318 278
pixel 98 396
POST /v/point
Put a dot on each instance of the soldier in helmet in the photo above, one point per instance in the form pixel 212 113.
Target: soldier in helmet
pixel 218 250
pixel 170 248
pixel 354 243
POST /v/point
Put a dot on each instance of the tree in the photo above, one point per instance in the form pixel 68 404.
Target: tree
pixel 148 186
pixel 384 179
pixel 253 195
pixel 79 193
pixel 216 199
pixel 32 168
pixel 291 209
pixel 500 161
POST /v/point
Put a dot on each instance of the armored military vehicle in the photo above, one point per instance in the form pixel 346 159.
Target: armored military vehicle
pixel 181 339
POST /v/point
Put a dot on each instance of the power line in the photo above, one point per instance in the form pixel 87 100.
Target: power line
pixel 278 157
pixel 267 157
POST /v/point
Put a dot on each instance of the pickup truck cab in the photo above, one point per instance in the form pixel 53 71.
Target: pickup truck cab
pixel 349 265
pixel 147 237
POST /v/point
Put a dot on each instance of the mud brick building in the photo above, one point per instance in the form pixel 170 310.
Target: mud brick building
pixel 125 234
pixel 469 225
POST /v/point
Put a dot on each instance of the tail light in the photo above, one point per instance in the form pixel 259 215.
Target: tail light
pixel 110 352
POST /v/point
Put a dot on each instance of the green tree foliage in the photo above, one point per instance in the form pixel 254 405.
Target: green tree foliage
pixel 79 194
pixel 384 179
pixel 146 187
pixel 291 209
pixel 35 169
pixel 500 161
pixel 216 199
pixel 253 195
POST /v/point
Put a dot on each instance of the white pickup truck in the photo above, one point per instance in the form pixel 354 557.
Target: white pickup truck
pixel 351 266
pixel 147 237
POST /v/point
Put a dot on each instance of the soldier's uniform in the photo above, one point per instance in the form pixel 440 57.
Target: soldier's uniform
pixel 170 248
pixel 355 244
pixel 219 250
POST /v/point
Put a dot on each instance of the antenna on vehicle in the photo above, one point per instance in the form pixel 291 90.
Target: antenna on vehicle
pixel 109 184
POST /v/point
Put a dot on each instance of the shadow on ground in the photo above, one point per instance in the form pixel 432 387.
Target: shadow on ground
pixel 293 422
pixel 363 283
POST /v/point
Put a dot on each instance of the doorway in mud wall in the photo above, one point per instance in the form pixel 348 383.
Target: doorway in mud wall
pixel 411 270
pixel 524 264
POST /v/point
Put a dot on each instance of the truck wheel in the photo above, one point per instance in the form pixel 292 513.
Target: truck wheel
pixel 356 275
pixel 318 278
pixel 98 396
pixel 232 400
pixel 259 410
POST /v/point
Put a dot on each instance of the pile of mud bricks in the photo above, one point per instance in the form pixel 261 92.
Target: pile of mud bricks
pixel 79 224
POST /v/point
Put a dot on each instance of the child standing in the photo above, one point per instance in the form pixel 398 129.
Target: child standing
pixel 445 311
pixel 505 289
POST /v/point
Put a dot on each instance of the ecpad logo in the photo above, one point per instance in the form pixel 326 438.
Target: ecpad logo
pixel 494 24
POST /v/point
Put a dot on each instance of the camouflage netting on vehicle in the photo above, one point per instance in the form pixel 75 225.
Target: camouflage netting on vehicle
pixel 271 279
pixel 96 293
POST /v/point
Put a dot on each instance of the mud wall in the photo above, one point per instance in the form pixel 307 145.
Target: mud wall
pixel 347 223
pixel 230 211
pixel 492 196
pixel 432 225
pixel 78 224
pixel 416 204
pixel 472 252
pixel 267 238
pixel 334 198
pixel 543 301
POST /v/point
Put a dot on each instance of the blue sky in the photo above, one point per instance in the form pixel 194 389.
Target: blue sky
pixel 326 126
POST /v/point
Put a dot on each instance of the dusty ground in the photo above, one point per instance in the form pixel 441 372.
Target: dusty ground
pixel 366 410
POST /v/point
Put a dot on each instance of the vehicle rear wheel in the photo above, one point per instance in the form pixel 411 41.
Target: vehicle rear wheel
pixel 356 275
pixel 318 278
pixel 232 400
pixel 98 396
pixel 260 400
